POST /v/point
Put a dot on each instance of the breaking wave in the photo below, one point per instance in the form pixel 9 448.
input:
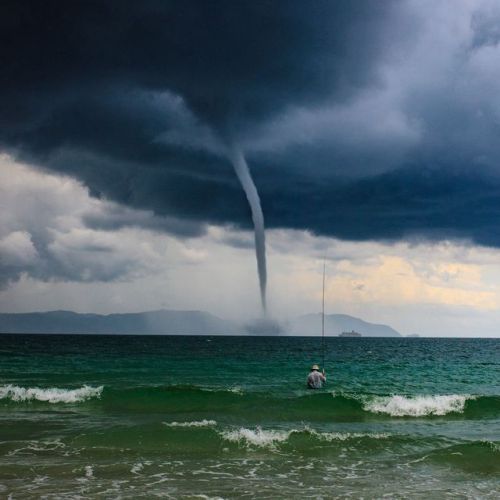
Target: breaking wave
pixel 211 405
pixel 259 437
pixel 49 395
pixel 418 406
pixel 195 423
pixel 256 437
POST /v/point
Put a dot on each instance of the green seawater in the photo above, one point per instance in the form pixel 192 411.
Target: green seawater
pixel 230 417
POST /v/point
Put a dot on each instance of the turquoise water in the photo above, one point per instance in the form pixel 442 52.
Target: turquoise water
pixel 230 417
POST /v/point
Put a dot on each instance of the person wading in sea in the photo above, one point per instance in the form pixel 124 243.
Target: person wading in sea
pixel 315 379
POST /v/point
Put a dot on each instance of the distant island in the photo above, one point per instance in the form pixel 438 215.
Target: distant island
pixel 172 322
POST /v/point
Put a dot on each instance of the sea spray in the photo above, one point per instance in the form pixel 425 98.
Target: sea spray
pixel 49 395
pixel 243 173
pixel 270 438
pixel 418 406
pixel 256 437
pixel 195 423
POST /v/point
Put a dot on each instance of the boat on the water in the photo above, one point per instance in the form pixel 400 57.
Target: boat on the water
pixel 350 334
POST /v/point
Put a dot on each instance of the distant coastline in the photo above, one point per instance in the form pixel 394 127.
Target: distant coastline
pixel 174 322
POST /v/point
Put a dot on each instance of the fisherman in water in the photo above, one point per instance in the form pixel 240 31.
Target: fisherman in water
pixel 315 379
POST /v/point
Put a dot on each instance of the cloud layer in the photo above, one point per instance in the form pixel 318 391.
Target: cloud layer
pixel 51 230
pixel 364 120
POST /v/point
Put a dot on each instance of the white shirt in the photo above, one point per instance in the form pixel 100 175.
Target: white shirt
pixel 315 380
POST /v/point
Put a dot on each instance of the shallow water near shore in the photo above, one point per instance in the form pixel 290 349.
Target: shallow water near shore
pixel 230 417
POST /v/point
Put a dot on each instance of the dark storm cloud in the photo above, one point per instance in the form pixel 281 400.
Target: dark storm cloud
pixel 361 120
pixel 114 218
pixel 408 203
pixel 229 60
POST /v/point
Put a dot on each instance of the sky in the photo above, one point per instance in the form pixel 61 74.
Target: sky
pixel 370 130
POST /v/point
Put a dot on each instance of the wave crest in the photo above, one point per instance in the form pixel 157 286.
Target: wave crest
pixel 418 406
pixel 49 395
pixel 344 436
pixel 257 437
pixel 270 438
pixel 195 423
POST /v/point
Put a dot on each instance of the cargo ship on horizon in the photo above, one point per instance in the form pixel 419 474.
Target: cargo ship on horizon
pixel 352 333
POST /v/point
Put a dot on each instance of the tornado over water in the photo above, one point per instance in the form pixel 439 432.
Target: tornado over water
pixel 241 168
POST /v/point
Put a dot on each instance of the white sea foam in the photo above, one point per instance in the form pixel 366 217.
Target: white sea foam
pixel 136 468
pixel 195 423
pixel 494 446
pixel 344 436
pixel 257 437
pixel 235 390
pixel 35 446
pixel 49 395
pixel 270 438
pixel 206 497
pixel 418 406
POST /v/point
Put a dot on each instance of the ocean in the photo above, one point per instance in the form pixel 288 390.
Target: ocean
pixel 230 417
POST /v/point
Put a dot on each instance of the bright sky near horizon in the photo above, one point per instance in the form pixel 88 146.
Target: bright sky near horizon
pixel 370 129
pixel 443 288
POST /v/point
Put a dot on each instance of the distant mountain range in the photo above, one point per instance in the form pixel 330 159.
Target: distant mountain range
pixel 181 323
pixel 153 322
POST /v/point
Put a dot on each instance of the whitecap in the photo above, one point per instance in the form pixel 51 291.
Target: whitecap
pixel 136 468
pixel 344 436
pixel 206 497
pixel 418 406
pixel 269 438
pixel 235 390
pixel 49 395
pixel 257 437
pixel 195 423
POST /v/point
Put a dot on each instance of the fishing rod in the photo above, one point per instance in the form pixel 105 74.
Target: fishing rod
pixel 323 316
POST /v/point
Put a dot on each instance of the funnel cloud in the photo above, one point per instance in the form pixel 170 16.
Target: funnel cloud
pixel 243 174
